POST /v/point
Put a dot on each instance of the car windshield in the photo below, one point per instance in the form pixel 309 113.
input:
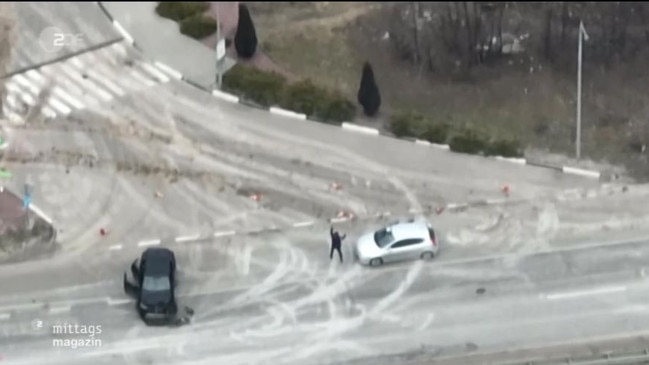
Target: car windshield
pixel 156 283
pixel 383 237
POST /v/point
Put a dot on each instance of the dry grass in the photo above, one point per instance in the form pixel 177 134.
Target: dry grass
pixel 521 97
pixel 309 40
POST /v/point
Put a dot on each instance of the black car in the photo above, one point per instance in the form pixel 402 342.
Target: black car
pixel 156 280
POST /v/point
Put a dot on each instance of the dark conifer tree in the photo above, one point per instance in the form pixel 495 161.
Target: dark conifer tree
pixel 369 96
pixel 245 41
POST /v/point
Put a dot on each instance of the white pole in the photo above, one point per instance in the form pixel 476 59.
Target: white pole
pixel 219 76
pixel 582 36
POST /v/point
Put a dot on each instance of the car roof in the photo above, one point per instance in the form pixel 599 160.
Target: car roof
pixel 158 261
pixel 409 229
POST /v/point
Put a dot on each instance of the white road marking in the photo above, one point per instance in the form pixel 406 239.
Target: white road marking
pixel 23 81
pixel 5 316
pixel 361 129
pixel 339 220
pixel 153 71
pixel 59 106
pixel 287 113
pixel 224 233
pixel 123 32
pixel 108 83
pixel 48 112
pixel 115 247
pixel 68 98
pixel 38 211
pixel 188 238
pixel 576 294
pixel 303 224
pixel 112 301
pixel 61 309
pixel 149 243
pixel 496 201
pixel 455 205
pixel 170 71
pixel 143 79
pixel 36 76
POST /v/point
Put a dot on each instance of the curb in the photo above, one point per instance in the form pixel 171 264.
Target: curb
pixel 345 125
pixel 344 217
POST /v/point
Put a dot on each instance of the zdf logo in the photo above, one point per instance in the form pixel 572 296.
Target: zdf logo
pixel 53 39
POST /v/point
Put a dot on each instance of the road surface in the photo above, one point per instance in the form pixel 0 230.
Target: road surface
pixel 123 145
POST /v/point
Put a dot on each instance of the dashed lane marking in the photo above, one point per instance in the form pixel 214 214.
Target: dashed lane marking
pixel 188 238
pixel 303 224
pixel 149 243
pixel 225 233
pixel 60 309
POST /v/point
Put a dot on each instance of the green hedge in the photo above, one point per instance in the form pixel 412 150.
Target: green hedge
pixel 198 26
pixel 264 88
pixel 415 125
pixel 469 142
pixel 505 148
pixel 477 144
pixel 306 98
pixel 178 10
pixel 270 89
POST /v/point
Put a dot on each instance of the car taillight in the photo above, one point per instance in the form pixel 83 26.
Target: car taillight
pixel 432 237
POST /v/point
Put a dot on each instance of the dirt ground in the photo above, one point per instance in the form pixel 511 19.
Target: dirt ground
pixel 329 41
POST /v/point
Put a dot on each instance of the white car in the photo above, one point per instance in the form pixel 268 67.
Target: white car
pixel 409 240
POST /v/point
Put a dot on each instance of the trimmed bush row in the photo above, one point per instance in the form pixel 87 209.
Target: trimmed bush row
pixel 271 89
pixel 178 10
pixel 414 125
pixel 190 17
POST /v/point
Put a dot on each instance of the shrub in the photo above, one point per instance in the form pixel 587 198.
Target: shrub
pixel 504 148
pixel 245 40
pixel 407 124
pixel 368 95
pixel 178 10
pixel 198 26
pixel 264 88
pixel 312 100
pixel 338 109
pixel 304 97
pixel 435 133
pixel 468 142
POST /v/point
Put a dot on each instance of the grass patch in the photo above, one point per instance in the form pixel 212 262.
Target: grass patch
pixel 318 54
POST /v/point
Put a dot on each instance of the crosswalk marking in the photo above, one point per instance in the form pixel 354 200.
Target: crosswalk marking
pixel 67 97
pixel 84 81
pixel 153 71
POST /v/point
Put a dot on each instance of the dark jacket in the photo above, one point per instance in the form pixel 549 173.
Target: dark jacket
pixel 336 239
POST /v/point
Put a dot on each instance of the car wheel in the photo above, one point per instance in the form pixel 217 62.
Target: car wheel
pixel 376 262
pixel 427 255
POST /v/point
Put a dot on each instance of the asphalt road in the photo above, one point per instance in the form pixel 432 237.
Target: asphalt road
pixel 49 31
pixel 278 299
pixel 145 156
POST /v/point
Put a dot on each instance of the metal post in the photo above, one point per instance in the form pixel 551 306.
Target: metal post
pixel 219 76
pixel 582 36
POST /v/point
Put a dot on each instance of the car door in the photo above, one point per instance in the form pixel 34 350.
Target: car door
pixel 403 249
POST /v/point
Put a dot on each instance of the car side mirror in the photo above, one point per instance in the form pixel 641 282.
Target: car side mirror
pixel 135 270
